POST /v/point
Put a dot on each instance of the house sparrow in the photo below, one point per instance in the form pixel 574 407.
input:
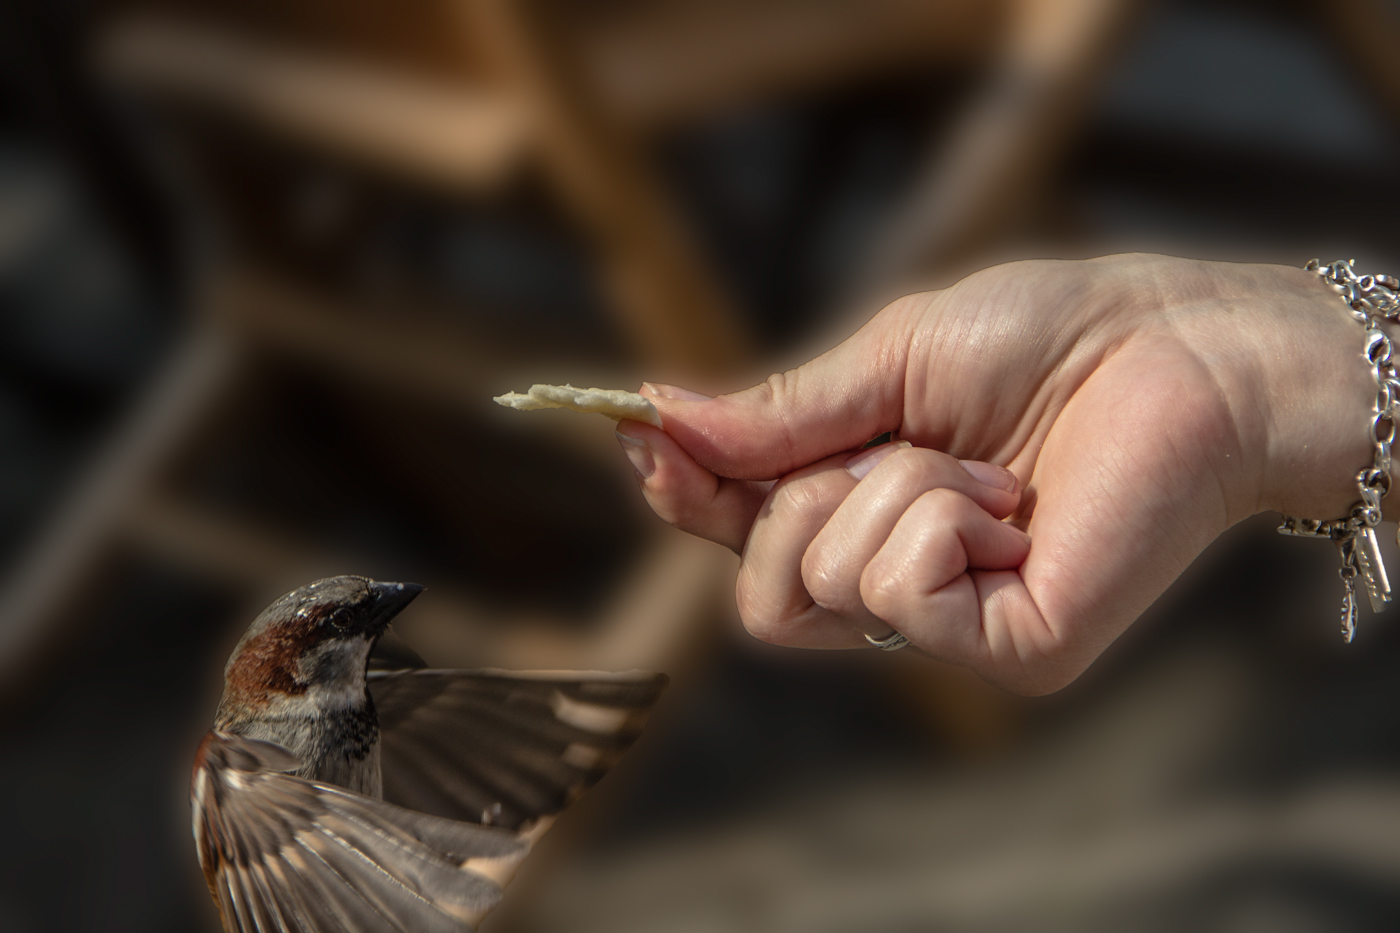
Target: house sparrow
pixel 336 792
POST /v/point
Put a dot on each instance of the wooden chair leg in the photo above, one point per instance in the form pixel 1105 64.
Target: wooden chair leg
pixel 1368 31
pixel 666 298
pixel 1007 142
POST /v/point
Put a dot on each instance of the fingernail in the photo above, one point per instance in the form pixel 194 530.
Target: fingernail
pixel 859 465
pixel 989 474
pixel 639 453
pixel 676 392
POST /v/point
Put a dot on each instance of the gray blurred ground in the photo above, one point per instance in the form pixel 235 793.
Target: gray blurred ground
pixel 1227 766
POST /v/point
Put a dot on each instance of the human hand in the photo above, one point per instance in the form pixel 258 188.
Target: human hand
pixel 1072 435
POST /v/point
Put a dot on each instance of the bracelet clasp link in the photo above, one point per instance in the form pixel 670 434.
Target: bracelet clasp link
pixel 1372 299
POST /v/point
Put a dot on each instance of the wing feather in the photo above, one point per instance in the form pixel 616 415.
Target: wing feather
pixel 261 908
pixel 378 903
pixel 503 748
pixel 318 890
pixel 286 855
pixel 400 903
pixel 498 777
pixel 351 912
pixel 302 907
pixel 417 783
pixel 528 744
pixel 228 908
pixel 277 919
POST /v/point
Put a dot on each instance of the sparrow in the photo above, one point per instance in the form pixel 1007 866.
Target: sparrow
pixel 346 786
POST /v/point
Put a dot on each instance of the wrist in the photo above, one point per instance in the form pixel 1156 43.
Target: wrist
pixel 1319 401
pixel 1285 355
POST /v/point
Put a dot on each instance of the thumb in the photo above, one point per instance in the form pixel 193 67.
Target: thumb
pixel 836 402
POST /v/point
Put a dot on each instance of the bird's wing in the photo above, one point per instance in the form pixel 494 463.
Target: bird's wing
pixel 504 748
pixel 286 855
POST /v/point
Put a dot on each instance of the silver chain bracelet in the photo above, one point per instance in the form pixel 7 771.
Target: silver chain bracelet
pixel 1372 299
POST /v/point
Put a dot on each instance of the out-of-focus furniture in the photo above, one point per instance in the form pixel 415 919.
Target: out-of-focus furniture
pixel 990 174
pixel 1367 30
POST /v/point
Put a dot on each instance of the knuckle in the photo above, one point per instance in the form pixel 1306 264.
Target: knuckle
pixel 825 581
pixel 745 596
pixel 759 617
pixel 884 591
pixel 750 611
pixel 944 506
pixel 765 629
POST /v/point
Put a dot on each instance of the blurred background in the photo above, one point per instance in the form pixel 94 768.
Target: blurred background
pixel 263 264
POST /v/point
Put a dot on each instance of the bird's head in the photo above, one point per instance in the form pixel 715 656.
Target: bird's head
pixel 312 645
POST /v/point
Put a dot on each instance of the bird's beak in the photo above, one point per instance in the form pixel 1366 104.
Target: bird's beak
pixel 389 600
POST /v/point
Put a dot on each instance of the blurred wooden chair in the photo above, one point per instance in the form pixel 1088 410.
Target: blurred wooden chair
pixel 1367 31
pixel 463 98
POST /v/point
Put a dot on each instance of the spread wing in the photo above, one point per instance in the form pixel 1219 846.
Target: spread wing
pixel 286 855
pixel 503 748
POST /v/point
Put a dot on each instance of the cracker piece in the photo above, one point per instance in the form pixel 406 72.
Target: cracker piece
pixel 615 403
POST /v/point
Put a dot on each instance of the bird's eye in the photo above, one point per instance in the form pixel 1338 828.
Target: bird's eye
pixel 340 618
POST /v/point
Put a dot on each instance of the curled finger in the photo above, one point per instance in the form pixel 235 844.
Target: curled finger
pixel 685 494
pixel 928 579
pixel 833 564
pixel 773 600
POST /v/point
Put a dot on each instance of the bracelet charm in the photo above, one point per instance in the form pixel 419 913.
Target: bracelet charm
pixel 1368 561
pixel 1372 299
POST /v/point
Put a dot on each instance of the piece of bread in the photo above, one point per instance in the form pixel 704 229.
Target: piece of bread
pixel 615 403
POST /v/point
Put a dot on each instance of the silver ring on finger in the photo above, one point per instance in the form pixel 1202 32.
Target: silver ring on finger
pixel 891 642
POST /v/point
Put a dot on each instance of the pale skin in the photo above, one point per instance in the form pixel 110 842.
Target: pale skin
pixel 1071 436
